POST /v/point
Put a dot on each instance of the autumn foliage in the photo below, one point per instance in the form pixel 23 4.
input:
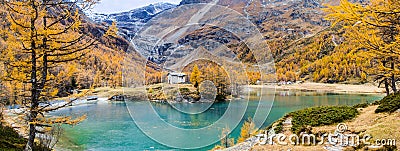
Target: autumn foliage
pixel 372 31
pixel 43 57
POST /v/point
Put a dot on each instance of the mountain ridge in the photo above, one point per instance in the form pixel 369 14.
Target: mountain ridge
pixel 290 27
pixel 130 22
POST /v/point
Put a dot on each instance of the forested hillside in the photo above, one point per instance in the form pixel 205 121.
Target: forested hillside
pixel 304 44
pixel 101 66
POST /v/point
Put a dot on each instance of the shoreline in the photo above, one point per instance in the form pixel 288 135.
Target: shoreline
pixel 368 88
pixel 323 87
pixel 11 116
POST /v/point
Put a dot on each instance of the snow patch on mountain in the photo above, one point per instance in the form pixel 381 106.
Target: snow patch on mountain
pixel 130 22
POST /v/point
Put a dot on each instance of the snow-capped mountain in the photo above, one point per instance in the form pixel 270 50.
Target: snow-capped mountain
pixel 130 22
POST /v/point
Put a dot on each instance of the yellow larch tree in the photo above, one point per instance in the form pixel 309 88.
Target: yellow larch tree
pixel 195 78
pixel 112 30
pixel 253 77
pixel 248 129
pixel 373 30
pixel 41 35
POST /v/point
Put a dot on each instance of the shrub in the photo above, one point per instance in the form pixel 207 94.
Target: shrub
pixel 361 105
pixel 279 127
pixel 390 103
pixel 318 116
pixel 184 90
pixel 10 140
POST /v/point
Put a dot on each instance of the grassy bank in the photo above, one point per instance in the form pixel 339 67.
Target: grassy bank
pixel 389 104
pixel 319 116
pixel 10 140
pixel 380 120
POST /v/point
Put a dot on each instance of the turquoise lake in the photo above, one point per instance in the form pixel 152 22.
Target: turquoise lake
pixel 109 126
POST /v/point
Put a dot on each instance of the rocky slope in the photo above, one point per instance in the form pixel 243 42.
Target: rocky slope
pixel 130 22
pixel 275 18
pixel 295 31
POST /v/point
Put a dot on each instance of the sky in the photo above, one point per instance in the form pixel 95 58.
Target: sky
pixel 116 6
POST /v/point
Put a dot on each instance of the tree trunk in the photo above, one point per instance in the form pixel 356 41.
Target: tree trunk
pixel 34 105
pixel 387 87
pixel 32 134
pixel 393 77
pixel 33 108
pixel 34 90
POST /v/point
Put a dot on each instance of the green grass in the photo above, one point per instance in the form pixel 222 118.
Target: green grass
pixel 361 105
pixel 319 116
pixel 10 140
pixel 279 127
pixel 390 103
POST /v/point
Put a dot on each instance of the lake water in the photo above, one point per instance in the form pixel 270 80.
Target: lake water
pixel 109 126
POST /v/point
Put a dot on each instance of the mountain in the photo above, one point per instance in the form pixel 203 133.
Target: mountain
pixel 130 22
pixel 283 20
pixel 301 41
pixel 183 2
